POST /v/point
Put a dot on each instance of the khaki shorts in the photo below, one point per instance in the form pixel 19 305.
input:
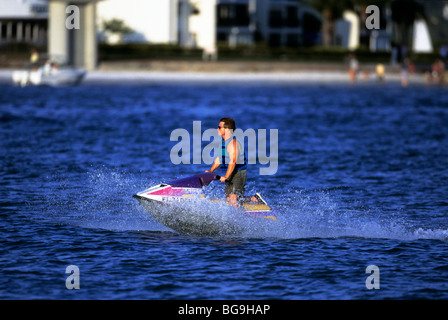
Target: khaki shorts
pixel 236 183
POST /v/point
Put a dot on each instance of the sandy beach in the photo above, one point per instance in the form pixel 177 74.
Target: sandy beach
pixel 207 77
pixel 141 72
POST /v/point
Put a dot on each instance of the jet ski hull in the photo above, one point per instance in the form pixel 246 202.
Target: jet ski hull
pixel 187 210
pixel 186 220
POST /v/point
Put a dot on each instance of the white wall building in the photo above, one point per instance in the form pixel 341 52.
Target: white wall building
pixel 23 8
pixel 202 26
pixel 23 21
pixel 421 38
pixel 152 21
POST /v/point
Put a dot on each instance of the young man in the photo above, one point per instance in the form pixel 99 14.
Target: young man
pixel 233 159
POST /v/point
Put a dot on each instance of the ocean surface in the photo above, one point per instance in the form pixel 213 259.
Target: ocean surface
pixel 362 181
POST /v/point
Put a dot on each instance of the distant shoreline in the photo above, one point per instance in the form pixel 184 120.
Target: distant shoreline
pixel 136 77
pixel 153 72
pixel 304 77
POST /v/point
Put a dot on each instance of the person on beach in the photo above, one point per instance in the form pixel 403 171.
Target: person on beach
pixel 233 160
pixel 380 71
pixel 353 67
pixel 438 72
pixel 34 58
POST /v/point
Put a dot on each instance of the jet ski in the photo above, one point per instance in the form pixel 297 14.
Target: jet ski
pixel 183 206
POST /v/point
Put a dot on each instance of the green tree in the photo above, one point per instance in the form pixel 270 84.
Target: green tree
pixel 116 26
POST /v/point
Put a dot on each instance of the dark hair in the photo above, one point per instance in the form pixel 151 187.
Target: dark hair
pixel 229 123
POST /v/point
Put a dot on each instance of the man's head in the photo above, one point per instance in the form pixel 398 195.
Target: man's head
pixel 229 123
pixel 226 123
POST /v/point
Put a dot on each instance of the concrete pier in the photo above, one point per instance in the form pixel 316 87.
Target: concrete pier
pixel 74 46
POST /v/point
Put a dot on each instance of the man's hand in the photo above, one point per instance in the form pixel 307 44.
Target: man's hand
pixel 223 179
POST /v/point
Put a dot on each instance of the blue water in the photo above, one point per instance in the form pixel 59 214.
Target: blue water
pixel 362 180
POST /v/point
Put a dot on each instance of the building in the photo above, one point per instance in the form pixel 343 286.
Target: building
pixel 203 23
pixel 236 22
pixel 284 23
pixel 23 21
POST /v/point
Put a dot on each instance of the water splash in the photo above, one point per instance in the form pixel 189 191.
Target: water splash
pixel 319 215
pixel 105 202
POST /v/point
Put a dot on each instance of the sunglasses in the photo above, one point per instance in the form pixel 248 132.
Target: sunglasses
pixel 219 127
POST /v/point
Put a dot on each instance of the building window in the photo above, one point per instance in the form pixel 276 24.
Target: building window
pixel 275 19
pixel 233 15
pixel 292 20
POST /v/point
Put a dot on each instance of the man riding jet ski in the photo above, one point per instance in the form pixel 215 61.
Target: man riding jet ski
pixel 184 196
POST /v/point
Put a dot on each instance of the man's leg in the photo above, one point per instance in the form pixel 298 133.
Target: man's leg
pixel 235 187
pixel 233 199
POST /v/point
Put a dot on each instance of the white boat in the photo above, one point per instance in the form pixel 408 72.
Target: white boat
pixel 48 76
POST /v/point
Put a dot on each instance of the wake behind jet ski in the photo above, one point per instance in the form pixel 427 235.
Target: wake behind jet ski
pixel 182 205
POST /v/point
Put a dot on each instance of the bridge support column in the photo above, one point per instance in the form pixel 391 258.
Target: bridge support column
pixel 77 46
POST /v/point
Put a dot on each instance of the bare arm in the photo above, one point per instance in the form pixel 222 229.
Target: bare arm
pixel 215 165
